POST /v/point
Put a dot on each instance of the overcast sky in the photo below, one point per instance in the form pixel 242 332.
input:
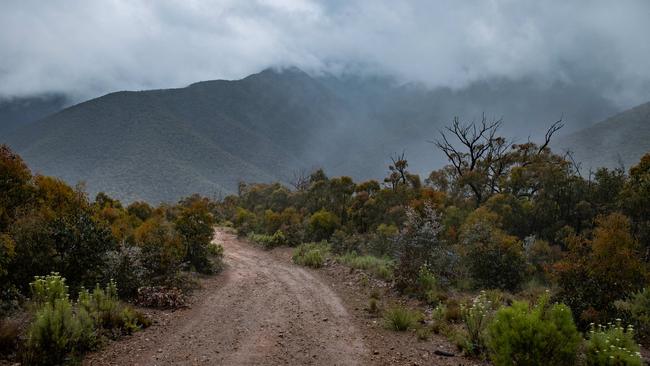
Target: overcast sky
pixel 86 48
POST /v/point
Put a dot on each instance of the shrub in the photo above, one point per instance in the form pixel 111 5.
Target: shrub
pixel 58 333
pixel 475 319
pixel 48 289
pixel 423 333
pixel 125 267
pixel 195 226
pixel 161 297
pixel 311 254
pixel 601 270
pixel 495 259
pixel 418 245
pixel 245 221
pixel 269 241
pixel 612 345
pixel 322 225
pixel 453 312
pixel 61 331
pixel 637 310
pixel 380 267
pixel 383 240
pixel 216 250
pixel 400 318
pixel 108 313
pixel 373 306
pixel 427 287
pixel 543 335
pixel 162 248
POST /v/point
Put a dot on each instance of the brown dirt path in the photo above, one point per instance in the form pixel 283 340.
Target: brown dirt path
pixel 259 311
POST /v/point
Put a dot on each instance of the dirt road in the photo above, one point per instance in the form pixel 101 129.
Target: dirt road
pixel 259 311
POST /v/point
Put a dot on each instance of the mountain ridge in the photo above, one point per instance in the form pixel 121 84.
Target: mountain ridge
pixel 158 145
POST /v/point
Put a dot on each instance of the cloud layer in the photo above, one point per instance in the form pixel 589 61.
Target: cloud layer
pixel 86 48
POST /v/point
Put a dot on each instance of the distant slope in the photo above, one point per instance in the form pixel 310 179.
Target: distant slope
pixel 18 112
pixel 621 139
pixel 163 144
pixel 159 145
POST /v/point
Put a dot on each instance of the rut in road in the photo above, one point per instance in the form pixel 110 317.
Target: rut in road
pixel 265 312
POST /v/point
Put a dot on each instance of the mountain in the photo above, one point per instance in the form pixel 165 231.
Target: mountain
pixel 18 112
pixel 159 145
pixel 620 140
pixel 162 144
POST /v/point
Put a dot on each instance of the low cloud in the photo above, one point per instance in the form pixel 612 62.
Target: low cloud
pixel 86 48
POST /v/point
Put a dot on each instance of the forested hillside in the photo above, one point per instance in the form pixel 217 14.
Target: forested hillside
pixel 21 111
pixel 620 140
pixel 160 145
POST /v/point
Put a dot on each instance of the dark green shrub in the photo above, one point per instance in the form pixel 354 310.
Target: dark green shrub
pixel 269 241
pixel 124 265
pixel 108 313
pixel 428 288
pixel 612 345
pixel 58 333
pixel 322 225
pixel 195 225
pixel 162 249
pixel 637 310
pixel 62 331
pixel 382 242
pixel 245 221
pixel 311 254
pixel 495 259
pixel 543 335
pixel 399 318
pixel 379 267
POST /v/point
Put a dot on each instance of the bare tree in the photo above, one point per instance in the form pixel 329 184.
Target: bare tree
pixel 479 157
pixel 397 170
pixel 477 154
pixel 300 180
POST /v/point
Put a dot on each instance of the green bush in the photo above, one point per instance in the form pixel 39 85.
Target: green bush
pixel 400 318
pixel 269 241
pixel 495 259
pixel 476 318
pixel 543 335
pixel 612 345
pixel 311 254
pixel 195 225
pixel 108 313
pixel 58 334
pixel 417 245
pixel 62 331
pixel 245 221
pixel 322 225
pixel 48 289
pixel 427 287
pixel 637 310
pixel 380 267
pixel 125 267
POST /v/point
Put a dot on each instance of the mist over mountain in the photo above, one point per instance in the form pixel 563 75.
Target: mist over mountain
pixel 618 141
pixel 159 145
pixel 20 111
